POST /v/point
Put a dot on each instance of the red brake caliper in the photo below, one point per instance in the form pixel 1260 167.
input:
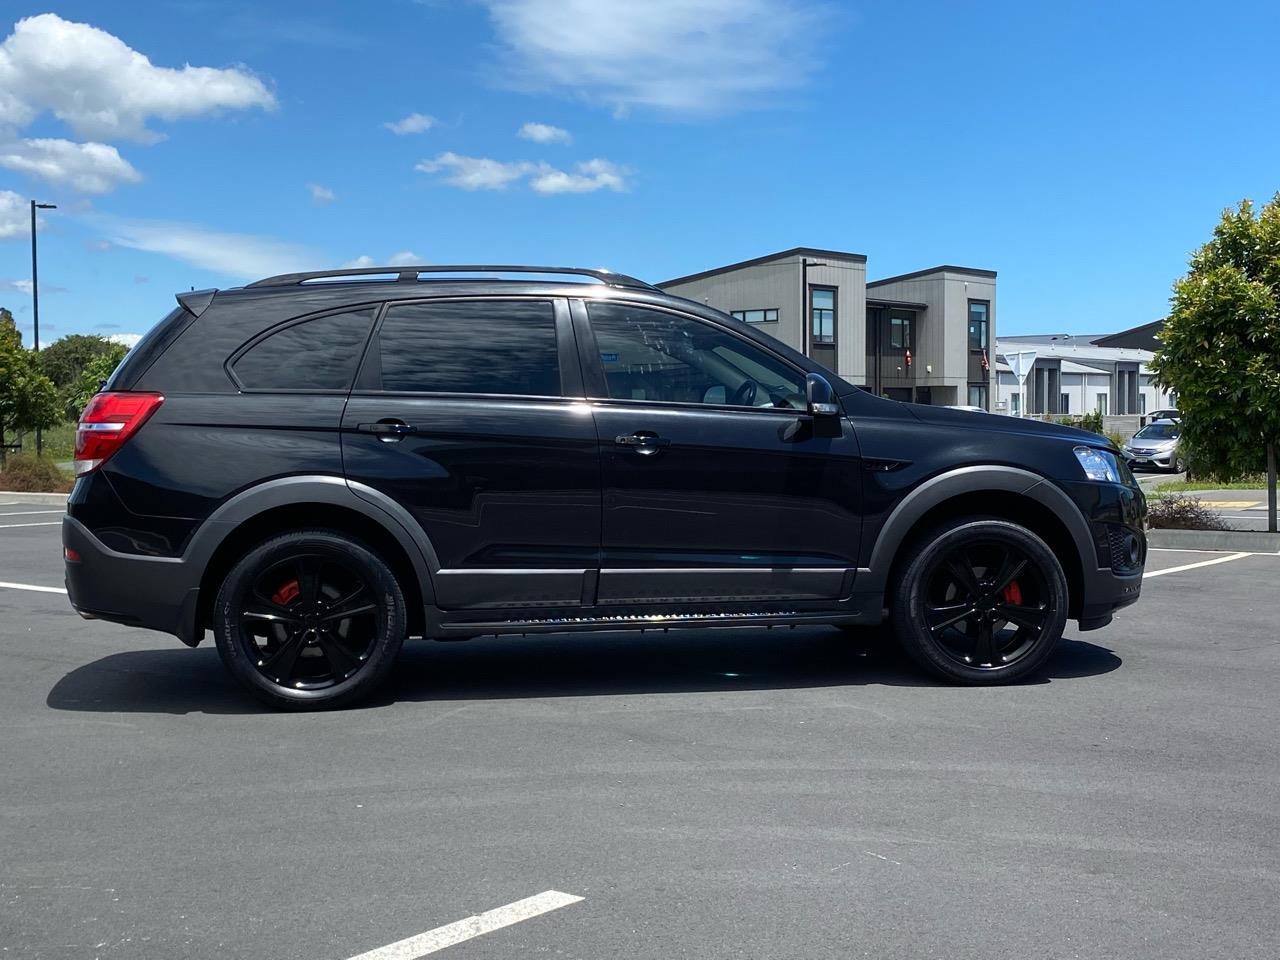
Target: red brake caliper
pixel 1013 594
pixel 287 593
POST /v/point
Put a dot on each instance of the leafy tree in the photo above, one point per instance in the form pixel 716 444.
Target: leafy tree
pixel 91 377
pixel 28 399
pixel 1220 348
pixel 65 359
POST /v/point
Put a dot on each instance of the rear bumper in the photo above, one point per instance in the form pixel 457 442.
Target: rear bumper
pixel 157 593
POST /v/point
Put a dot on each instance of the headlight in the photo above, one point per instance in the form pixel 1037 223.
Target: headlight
pixel 1098 464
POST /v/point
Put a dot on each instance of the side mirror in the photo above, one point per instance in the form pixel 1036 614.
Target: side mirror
pixel 822 399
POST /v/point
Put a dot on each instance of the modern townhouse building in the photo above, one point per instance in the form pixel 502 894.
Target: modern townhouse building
pixel 1068 374
pixel 925 336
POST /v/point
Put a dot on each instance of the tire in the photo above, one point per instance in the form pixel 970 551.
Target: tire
pixel 1177 465
pixel 959 627
pixel 279 624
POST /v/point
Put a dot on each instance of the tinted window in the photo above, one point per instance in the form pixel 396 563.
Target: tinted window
pixel 483 346
pixel 319 354
pixel 650 355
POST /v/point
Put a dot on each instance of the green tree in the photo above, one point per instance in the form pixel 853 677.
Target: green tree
pixel 65 359
pixel 91 377
pixel 28 399
pixel 1220 348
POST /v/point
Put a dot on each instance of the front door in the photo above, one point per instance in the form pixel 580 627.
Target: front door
pixel 464 413
pixel 718 486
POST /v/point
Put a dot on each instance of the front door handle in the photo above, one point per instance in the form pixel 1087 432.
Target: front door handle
pixel 388 429
pixel 643 442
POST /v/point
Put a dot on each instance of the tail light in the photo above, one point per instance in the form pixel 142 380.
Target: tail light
pixel 107 423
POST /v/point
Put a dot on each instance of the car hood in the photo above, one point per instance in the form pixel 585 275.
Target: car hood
pixel 1153 444
pixel 998 423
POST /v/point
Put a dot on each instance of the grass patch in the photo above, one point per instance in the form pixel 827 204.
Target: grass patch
pixel 1187 486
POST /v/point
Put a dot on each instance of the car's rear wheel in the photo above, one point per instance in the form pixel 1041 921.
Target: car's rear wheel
pixel 980 601
pixel 310 620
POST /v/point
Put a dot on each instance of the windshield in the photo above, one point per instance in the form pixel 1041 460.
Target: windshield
pixel 1158 431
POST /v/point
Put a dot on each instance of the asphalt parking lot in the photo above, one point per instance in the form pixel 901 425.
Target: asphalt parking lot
pixel 779 794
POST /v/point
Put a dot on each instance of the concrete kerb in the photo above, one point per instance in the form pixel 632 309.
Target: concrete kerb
pixel 52 499
pixel 1230 541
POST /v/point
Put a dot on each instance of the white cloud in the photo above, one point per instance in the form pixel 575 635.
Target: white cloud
pixel 127 339
pixel 413 123
pixel 402 259
pixel 476 173
pixel 87 167
pixel 15 215
pixel 321 194
pixel 240 255
pixel 24 286
pixel 483 173
pixel 680 56
pixel 104 89
pixel 587 177
pixel 544 133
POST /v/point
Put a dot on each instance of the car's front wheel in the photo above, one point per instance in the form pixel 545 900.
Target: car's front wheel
pixel 310 620
pixel 980 601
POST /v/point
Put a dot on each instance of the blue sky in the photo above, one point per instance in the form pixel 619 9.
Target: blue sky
pixel 1079 150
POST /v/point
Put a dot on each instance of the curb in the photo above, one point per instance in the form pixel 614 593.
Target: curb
pixel 1233 541
pixel 53 499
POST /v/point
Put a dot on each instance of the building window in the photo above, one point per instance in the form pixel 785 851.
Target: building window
pixel 1064 405
pixel 978 395
pixel 1102 404
pixel 979 324
pixel 756 316
pixel 1015 404
pixel 822 313
pixel 1142 403
pixel 900 332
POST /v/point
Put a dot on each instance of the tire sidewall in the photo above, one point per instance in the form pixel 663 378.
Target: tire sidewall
pixel 915 635
pixel 369 565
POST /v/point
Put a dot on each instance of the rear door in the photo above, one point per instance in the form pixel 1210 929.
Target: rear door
pixel 469 413
pixel 719 487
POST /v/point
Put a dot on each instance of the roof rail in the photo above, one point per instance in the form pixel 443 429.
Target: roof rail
pixel 409 274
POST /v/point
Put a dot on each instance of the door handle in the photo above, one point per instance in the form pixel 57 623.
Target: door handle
pixel 643 442
pixel 388 429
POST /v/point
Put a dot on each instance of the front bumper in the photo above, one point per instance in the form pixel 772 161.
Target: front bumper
pixel 1161 459
pixel 1117 515
pixel 157 593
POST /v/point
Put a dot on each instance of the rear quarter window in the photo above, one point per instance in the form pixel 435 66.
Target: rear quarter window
pixel 319 354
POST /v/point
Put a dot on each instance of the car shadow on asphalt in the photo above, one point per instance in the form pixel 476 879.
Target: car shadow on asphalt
pixel 183 681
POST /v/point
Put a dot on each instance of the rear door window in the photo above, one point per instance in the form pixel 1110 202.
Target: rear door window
pixel 502 347
pixel 320 355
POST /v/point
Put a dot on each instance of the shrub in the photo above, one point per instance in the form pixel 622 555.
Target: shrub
pixel 1092 421
pixel 27 474
pixel 1176 512
pixel 1114 437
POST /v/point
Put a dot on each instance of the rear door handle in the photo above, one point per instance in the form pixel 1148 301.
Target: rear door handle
pixel 643 442
pixel 388 429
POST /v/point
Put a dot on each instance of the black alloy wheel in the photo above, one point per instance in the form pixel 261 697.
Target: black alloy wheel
pixel 982 601
pixel 310 620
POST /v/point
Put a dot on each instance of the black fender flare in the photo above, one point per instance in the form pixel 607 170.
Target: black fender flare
pixel 873 579
pixel 336 491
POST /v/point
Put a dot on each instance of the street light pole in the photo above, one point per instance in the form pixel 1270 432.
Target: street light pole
pixel 35 296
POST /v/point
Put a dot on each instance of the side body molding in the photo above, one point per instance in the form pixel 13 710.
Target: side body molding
pixel 968 480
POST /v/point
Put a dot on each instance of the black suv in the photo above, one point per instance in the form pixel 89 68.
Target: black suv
pixel 316 466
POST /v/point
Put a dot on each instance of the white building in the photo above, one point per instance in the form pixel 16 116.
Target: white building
pixel 1068 374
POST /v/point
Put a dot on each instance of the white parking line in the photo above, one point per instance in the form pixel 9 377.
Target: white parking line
pixel 481 923
pixel 31 586
pixel 42 523
pixel 1192 566
pixel 28 513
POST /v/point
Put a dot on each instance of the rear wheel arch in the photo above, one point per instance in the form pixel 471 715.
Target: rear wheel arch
pixel 255 527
